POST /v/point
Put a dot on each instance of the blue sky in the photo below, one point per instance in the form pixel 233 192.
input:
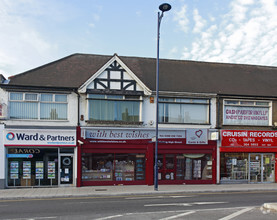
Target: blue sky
pixel 36 32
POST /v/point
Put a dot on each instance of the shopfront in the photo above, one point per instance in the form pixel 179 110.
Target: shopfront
pixel 248 156
pixel 110 156
pixel 39 158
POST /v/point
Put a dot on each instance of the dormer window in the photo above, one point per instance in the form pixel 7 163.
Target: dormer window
pixel 114 108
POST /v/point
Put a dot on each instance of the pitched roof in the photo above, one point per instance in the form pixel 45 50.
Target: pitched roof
pixel 69 72
pixel 175 75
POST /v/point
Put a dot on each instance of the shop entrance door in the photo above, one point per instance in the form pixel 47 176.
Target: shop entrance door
pixel 261 168
pixel 255 170
pixel 268 168
pixel 66 169
pixel 166 166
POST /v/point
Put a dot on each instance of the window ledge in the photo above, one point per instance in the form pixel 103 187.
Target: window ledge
pixel 37 120
pixel 114 122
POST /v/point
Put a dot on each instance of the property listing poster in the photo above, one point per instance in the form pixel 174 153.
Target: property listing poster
pixel 26 169
pixel 39 169
pixel 51 170
pixel 14 170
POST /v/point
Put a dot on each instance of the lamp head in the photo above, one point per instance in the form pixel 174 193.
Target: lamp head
pixel 165 7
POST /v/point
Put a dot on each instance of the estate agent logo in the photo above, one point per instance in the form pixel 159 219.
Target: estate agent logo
pixel 10 136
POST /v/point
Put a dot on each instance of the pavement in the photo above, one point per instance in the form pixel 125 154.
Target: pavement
pixel 125 190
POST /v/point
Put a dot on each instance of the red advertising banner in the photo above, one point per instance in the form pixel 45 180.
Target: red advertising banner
pixel 243 138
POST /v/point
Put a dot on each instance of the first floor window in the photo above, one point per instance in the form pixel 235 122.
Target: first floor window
pixel 114 108
pixel 191 111
pixel 247 112
pixel 38 106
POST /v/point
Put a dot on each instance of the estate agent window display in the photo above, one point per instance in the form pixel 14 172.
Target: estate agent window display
pixel 32 167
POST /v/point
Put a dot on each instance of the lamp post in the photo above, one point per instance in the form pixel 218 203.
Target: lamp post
pixel 163 7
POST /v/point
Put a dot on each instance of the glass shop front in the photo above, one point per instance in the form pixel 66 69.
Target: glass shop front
pixel 113 167
pixel 40 157
pixel 131 162
pixel 248 156
pixel 35 167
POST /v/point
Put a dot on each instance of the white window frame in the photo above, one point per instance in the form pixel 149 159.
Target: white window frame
pixel 106 97
pixel 240 104
pixel 38 100
pixel 189 101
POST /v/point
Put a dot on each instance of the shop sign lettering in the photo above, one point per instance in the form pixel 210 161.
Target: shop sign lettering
pixel 197 136
pixel 42 137
pixel 241 138
pixel 26 151
pixel 246 115
pixel 121 134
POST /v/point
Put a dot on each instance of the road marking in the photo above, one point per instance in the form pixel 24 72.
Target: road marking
pixel 180 196
pixel 185 204
pixel 178 216
pixel 237 213
pixel 154 197
pixel 169 204
pixel 207 203
pixel 109 217
pixel 33 218
pixel 172 212
pixel 158 197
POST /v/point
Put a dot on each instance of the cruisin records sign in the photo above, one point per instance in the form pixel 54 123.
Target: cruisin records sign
pixel 243 138
pixel 31 137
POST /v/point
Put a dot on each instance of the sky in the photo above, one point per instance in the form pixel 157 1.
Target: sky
pixel 36 32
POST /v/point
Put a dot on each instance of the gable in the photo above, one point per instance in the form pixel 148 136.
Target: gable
pixel 115 76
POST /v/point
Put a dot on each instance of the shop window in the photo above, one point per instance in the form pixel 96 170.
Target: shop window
pixel 114 108
pixel 113 167
pixel 32 167
pixel 38 106
pixel 190 111
pixel 234 166
pixel 188 166
pixel 247 112
pixel 247 167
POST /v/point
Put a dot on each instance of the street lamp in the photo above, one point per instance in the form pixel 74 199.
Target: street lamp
pixel 163 7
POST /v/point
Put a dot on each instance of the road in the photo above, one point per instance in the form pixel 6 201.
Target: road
pixel 223 206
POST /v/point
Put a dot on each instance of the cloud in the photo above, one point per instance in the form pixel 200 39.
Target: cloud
pixel 246 34
pixel 24 45
pixel 182 19
pixel 199 22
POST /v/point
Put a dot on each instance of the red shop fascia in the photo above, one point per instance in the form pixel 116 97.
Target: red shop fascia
pixel 139 141
pixel 248 141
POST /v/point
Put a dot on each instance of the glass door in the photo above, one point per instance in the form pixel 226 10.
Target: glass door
pixel 166 166
pixel 262 168
pixel 66 169
pixel 268 168
pixel 255 171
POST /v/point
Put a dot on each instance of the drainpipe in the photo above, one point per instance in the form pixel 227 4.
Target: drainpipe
pixel 78 110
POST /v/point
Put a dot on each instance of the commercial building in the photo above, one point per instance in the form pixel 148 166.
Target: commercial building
pixel 90 120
